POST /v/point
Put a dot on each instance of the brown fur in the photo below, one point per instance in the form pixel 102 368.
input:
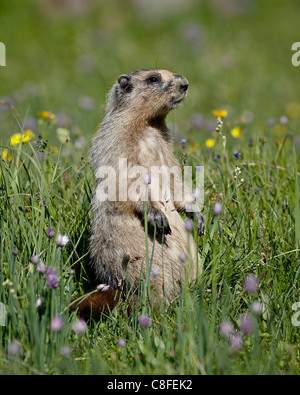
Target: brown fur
pixel 134 128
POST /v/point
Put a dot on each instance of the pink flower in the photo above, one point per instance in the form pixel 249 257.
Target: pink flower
pixel 61 240
pixel 226 328
pixel 79 326
pixel 251 284
pixel 144 321
pixel 56 323
pixel 246 324
pixel 236 341
pixel 52 279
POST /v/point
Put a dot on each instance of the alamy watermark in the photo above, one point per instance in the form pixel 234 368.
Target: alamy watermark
pixel 164 184
pixel 2 54
pixel 296 55
pixel 296 315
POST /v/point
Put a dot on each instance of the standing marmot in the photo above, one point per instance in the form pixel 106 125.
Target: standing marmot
pixel 132 141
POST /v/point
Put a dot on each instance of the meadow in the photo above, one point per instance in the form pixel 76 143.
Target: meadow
pixel 240 316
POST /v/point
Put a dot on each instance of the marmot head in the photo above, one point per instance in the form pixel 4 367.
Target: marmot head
pixel 147 93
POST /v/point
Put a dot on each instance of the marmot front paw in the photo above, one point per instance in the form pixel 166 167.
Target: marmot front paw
pixel 158 218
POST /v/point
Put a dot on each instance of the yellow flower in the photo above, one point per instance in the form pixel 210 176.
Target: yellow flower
pixel 25 137
pixel 4 154
pixel 47 115
pixel 54 149
pixel 236 132
pixel 209 143
pixel 220 113
pixel 194 147
pixel 15 139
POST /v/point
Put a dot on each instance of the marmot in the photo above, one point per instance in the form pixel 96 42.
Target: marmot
pixel 134 134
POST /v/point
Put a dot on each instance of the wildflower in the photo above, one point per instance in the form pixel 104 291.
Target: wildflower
pixel 79 326
pixel 262 140
pixel 147 179
pixel 236 132
pixel 293 110
pixel 246 324
pixel 236 155
pixel 25 137
pixel 217 209
pixel 194 147
pixel 61 240
pixel 283 120
pixel 52 279
pixel 62 134
pixel 38 302
pixel 103 287
pixel 41 268
pixel 183 143
pixel 15 139
pixel 219 125
pixel 54 149
pixel 50 232
pixel 256 307
pixel 15 251
pixel 56 323
pixel 236 341
pixel 209 143
pixel 226 328
pixel 65 350
pixel 155 272
pixel 121 343
pixel 5 155
pixel 144 321
pixel 220 113
pixel 35 259
pixel 188 225
pixel 13 348
pixel 251 284
pixel 47 115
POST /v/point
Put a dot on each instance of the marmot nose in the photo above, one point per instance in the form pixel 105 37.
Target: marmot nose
pixel 184 87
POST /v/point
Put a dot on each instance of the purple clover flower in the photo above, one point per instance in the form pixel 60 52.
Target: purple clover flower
pixel 226 328
pixel 236 341
pixel 246 324
pixel 50 232
pixel 147 179
pixel 188 225
pixel 41 268
pixel 52 279
pixel 144 321
pixel 56 323
pixel 79 326
pixel 121 343
pixel 251 284
pixel 61 240
pixel 236 155
pixel 35 259
pixel 217 209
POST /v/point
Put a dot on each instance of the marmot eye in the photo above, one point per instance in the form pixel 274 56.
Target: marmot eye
pixel 153 79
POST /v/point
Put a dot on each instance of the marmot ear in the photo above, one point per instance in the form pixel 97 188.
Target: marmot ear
pixel 125 82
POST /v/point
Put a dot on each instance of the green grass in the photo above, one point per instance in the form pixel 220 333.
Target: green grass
pixel 255 233
pixel 47 182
